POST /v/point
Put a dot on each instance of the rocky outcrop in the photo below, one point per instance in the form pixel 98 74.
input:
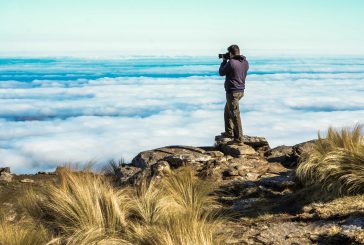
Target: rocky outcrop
pixel 251 160
pixel 160 161
pixel 224 162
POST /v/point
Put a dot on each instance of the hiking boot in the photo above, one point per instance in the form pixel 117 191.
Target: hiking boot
pixel 226 135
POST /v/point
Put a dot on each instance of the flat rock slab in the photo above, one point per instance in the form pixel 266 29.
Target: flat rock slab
pixel 175 155
pixel 259 144
pixel 237 150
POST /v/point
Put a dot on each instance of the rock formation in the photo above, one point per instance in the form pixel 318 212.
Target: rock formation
pixel 223 162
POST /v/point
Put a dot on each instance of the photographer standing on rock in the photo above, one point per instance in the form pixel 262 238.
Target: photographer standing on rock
pixel 235 67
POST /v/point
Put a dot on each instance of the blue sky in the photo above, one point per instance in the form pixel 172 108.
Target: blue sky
pixel 161 27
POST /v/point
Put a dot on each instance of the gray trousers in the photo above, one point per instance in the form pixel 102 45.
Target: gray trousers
pixel 232 118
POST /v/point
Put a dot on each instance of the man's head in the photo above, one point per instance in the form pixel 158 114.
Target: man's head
pixel 234 50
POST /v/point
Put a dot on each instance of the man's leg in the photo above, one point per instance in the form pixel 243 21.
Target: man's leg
pixel 227 117
pixel 235 115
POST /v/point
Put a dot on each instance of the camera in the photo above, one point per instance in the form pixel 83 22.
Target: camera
pixel 225 56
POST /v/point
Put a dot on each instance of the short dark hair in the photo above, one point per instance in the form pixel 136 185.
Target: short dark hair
pixel 234 49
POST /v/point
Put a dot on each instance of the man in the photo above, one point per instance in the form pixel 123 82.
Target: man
pixel 235 71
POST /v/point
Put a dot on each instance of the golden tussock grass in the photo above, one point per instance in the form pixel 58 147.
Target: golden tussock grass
pixel 336 163
pixel 86 209
pixel 179 210
pixel 23 234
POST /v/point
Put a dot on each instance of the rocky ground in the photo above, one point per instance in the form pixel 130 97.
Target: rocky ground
pixel 255 185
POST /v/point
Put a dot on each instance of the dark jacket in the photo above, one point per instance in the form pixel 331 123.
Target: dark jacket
pixel 235 71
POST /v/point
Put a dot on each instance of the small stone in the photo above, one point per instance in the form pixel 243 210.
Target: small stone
pixel 27 181
pixel 243 169
pixel 313 237
pixel 276 168
pixel 252 176
pixel 230 173
pixel 215 153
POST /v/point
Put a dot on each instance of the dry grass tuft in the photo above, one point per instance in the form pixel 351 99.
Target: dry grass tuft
pixel 86 209
pixel 336 163
pixel 189 195
pixel 112 166
pixel 23 234
pixel 179 209
pixel 185 230
pixel 148 203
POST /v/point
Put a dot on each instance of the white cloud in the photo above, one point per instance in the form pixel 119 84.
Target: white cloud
pixel 45 123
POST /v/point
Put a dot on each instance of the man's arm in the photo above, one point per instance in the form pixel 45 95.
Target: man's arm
pixel 224 68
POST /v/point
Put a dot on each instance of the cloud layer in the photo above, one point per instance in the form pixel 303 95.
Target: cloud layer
pixel 72 110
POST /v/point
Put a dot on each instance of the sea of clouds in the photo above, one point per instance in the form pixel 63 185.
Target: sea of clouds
pixel 68 110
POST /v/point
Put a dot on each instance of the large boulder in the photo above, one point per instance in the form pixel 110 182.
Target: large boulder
pixel 282 154
pixel 176 156
pixel 289 156
pixel 302 149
